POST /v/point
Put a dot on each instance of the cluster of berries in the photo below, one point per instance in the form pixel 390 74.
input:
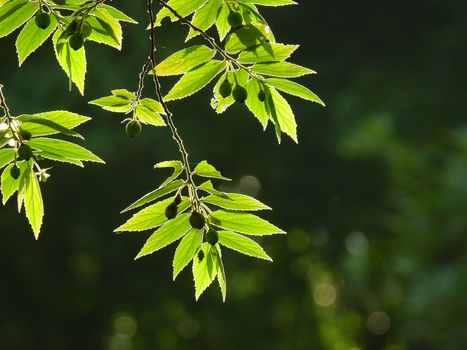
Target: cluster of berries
pixel 197 221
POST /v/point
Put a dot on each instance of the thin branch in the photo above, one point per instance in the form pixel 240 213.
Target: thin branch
pixel 175 134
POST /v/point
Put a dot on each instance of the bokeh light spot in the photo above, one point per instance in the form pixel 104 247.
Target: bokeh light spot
pixel 249 185
pixel 378 322
pixel 356 243
pixel 324 294
pixel 125 325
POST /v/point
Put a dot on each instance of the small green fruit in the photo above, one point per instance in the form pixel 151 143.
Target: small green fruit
pixel 133 128
pixel 71 28
pixel 86 30
pixel 76 41
pixel 197 220
pixel 212 237
pixel 42 20
pixel 261 96
pixel 15 172
pixel 171 211
pixel 25 135
pixel 200 255
pixel 225 89
pixel 24 152
pixel 240 94
pixel 178 199
pixel 235 19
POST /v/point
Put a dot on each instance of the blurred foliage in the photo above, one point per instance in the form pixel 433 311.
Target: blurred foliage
pixel 373 198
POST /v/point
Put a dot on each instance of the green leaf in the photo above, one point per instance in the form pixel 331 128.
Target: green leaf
pixel 195 80
pixel 33 202
pixel 242 244
pixel 267 52
pixel 149 112
pixel 257 107
pixel 281 69
pixel 205 169
pixel 59 158
pixel 222 24
pixel 105 29
pixel 73 62
pixel 182 7
pixel 221 278
pixel 184 60
pixel 15 13
pixel 186 250
pixel 271 2
pixel 64 149
pixel 205 271
pixel 31 37
pixel 35 119
pixel 205 17
pixel 152 196
pixel 9 184
pixel 124 93
pixel 151 217
pixel 209 188
pixel 248 36
pixel 65 119
pixel 244 223
pixel 6 156
pixel 117 104
pixel 293 88
pixel 235 201
pixel 175 164
pixel 117 14
pixel 168 233
pixel 281 114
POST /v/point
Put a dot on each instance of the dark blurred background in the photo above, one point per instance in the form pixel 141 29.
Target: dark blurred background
pixel 373 197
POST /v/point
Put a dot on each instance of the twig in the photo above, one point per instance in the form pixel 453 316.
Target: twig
pixel 175 134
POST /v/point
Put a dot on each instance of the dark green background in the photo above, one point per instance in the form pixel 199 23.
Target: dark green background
pixel 373 197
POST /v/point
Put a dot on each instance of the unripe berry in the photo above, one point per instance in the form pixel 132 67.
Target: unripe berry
pixel 240 94
pixel 178 199
pixel 86 30
pixel 200 255
pixel 76 41
pixel 42 20
pixel 25 135
pixel 225 89
pixel 261 96
pixel 235 19
pixel 71 28
pixel 212 237
pixel 171 211
pixel 24 152
pixel 15 172
pixel 133 128
pixel 197 220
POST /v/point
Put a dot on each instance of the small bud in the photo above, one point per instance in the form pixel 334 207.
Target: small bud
pixel 235 19
pixel 133 128
pixel 76 41
pixel 197 220
pixel 24 152
pixel 42 20
pixel 171 211
pixel 225 89
pixel 15 172
pixel 240 94
pixel 212 237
